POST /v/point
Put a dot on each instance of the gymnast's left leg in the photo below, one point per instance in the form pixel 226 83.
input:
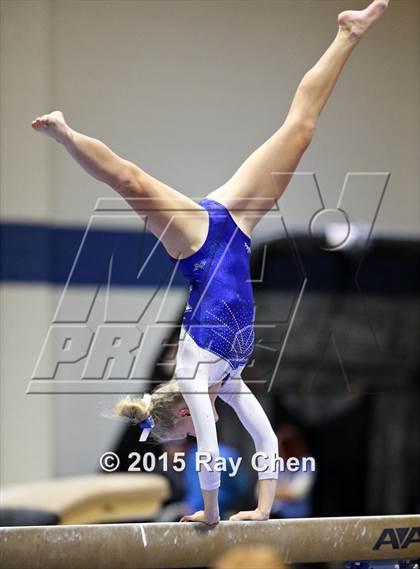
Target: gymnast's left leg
pixel 252 191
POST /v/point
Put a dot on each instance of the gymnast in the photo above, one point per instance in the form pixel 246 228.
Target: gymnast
pixel 211 243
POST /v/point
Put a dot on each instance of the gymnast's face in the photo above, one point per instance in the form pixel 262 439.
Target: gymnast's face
pixel 185 426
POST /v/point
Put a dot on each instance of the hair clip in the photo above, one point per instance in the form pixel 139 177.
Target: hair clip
pixel 148 424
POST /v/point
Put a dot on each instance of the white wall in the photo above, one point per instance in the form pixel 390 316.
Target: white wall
pixel 186 90
pixel 189 89
pixel 26 423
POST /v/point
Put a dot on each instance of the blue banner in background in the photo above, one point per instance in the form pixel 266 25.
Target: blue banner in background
pixel 46 254
pixel 34 253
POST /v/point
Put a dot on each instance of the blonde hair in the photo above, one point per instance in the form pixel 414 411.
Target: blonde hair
pixel 250 557
pixel 162 407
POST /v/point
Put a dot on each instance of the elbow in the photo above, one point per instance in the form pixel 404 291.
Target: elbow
pixel 210 451
pixel 207 454
pixel 273 441
pixel 266 441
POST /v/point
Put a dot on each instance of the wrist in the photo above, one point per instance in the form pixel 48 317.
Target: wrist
pixel 211 509
pixel 211 513
pixel 264 513
pixel 212 516
pixel 211 501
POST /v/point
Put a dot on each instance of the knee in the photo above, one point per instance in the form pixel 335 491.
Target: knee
pixel 306 130
pixel 303 129
pixel 128 181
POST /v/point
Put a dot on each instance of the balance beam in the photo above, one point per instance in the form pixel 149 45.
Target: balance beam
pixel 172 545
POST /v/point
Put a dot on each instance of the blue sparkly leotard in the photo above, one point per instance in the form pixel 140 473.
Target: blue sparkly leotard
pixel 220 311
pixel 219 338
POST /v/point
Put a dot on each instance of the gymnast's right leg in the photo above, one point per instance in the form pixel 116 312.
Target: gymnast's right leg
pixel 253 189
pixel 165 208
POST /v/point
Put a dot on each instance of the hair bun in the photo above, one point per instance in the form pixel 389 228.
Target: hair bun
pixel 136 409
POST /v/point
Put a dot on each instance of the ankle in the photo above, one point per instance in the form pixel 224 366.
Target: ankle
pixel 67 137
pixel 348 36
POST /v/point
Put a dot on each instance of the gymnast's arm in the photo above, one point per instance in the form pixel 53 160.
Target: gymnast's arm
pixel 194 389
pixel 251 414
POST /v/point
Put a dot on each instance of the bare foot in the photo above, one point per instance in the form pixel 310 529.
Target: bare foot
pixel 357 22
pixel 54 125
